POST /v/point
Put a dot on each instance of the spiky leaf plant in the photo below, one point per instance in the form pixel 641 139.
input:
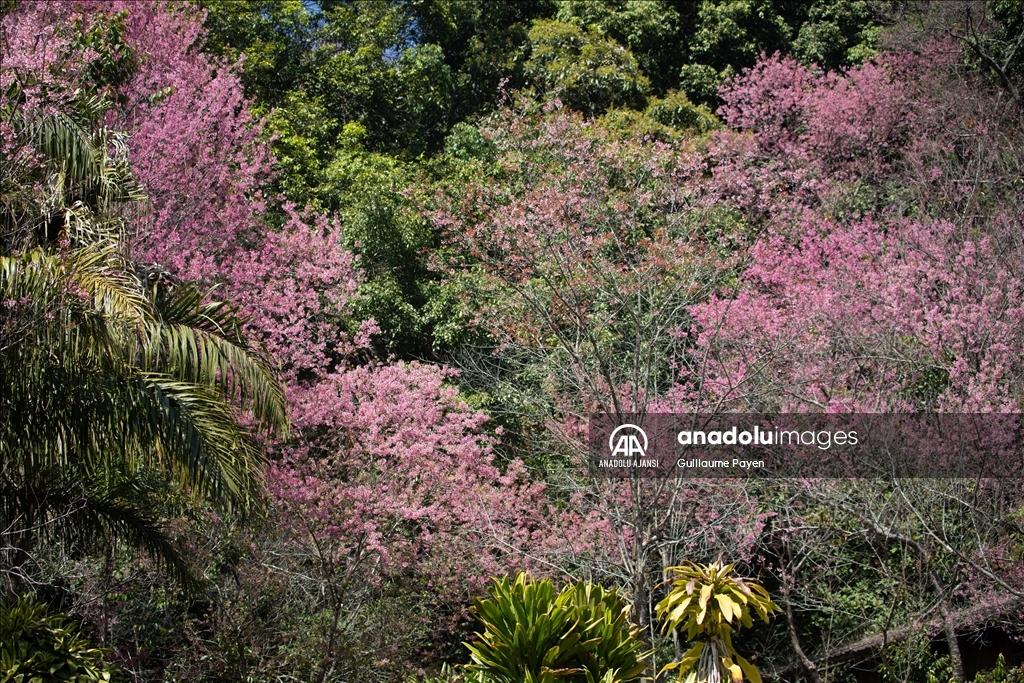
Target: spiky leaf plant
pixel 36 646
pixel 535 634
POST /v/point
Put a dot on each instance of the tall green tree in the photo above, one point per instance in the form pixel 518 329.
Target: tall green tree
pixel 589 72
pixel 357 94
pixel 695 46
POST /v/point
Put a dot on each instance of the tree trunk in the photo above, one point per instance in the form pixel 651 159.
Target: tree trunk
pixel 949 626
pixel 809 666
pixel 666 562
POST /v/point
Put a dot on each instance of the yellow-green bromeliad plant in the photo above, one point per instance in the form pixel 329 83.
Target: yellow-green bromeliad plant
pixel 709 603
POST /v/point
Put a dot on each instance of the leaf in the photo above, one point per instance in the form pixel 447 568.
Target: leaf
pixel 689 658
pixel 749 669
pixel 727 606
pixel 555 635
pixel 677 613
pixel 705 595
pixel 734 671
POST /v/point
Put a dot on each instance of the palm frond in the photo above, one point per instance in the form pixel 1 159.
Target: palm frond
pixel 61 509
pixel 77 378
pixel 82 150
pixel 201 341
pixel 200 439
pixel 121 519
pixel 103 272
pixel 84 164
pixel 101 377
pixel 96 269
pixel 140 420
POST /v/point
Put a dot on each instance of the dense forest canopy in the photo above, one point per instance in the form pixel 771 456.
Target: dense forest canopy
pixel 305 305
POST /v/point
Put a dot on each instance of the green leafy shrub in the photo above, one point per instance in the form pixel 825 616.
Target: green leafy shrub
pixel 710 602
pixel 1001 674
pixel 36 647
pixel 677 111
pixel 451 674
pixel 629 124
pixel 535 634
pixel 591 73
pixel 941 671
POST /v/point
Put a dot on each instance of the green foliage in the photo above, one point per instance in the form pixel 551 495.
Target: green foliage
pixel 714 39
pixel 588 72
pixel 37 647
pixel 629 124
pixel 729 36
pixel 1007 38
pixel 451 674
pixel 114 62
pixel 676 110
pixel 368 190
pixel 534 633
pixel 406 71
pixel 80 174
pixel 667 119
pixel 357 94
pixel 111 382
pixel 913 660
pixel 837 32
pixel 466 142
pixel 651 29
pixel 937 669
pixel 275 36
pixel 993 37
pixel 484 45
pixel 304 133
pixel 709 602
pixel 356 62
pixel 1001 673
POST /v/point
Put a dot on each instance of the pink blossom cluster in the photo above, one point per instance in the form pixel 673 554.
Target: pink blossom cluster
pixel 838 122
pixel 401 480
pixel 873 313
pixel 859 317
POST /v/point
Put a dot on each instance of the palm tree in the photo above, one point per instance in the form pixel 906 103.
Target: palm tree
pixel 108 375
